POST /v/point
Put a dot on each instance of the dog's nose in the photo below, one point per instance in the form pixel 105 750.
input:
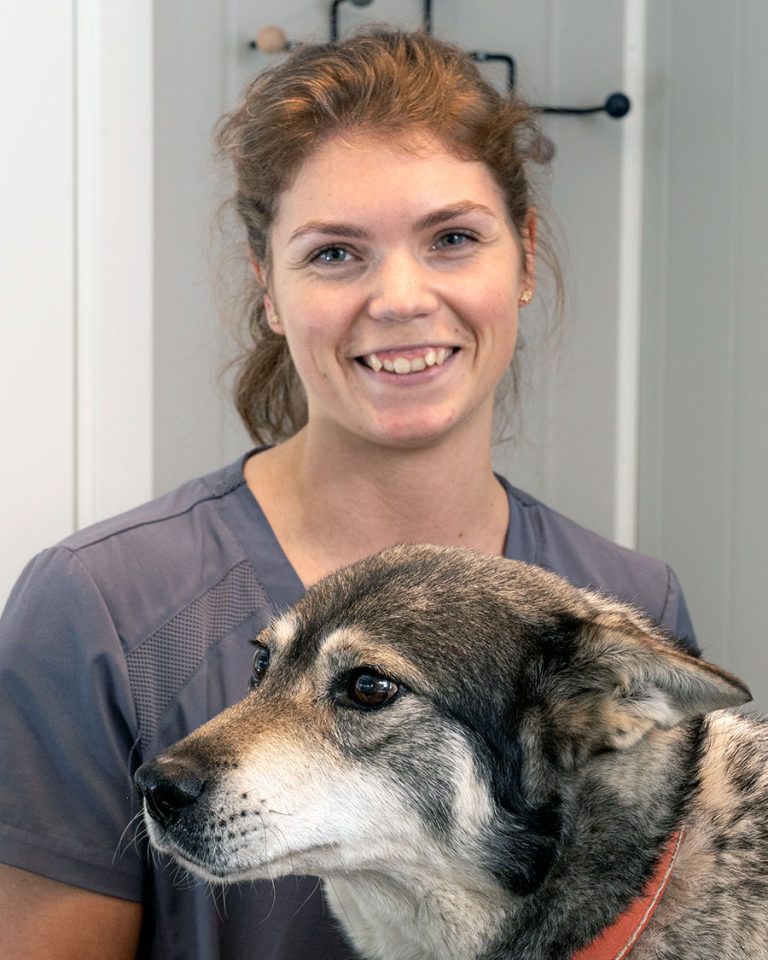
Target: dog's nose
pixel 168 786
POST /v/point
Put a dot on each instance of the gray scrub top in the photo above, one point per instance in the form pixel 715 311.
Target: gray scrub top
pixel 127 635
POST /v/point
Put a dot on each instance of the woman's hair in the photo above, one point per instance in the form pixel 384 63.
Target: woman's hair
pixel 389 84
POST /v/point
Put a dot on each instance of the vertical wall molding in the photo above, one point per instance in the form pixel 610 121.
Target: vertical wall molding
pixel 114 219
pixel 630 279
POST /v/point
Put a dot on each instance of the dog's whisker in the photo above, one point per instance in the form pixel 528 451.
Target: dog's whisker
pixel 184 879
pixel 135 747
pixel 339 901
pixel 287 847
pixel 218 893
pixel 153 856
pixel 139 833
pixel 272 905
pixel 306 900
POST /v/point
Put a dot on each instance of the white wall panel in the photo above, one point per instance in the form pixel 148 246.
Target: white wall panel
pixel 191 54
pixel 704 443
pixel 76 263
pixel 37 279
pixel 749 425
pixel 572 407
pixel 114 220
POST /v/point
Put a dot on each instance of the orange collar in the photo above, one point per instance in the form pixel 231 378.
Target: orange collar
pixel 616 942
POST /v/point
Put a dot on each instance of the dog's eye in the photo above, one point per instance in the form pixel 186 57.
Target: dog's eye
pixel 370 689
pixel 260 664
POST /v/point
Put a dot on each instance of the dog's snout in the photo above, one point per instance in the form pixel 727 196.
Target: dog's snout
pixel 168 787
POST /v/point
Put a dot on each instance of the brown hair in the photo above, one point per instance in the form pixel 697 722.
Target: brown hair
pixel 388 83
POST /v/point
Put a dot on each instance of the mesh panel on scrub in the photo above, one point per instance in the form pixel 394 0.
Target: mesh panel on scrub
pixel 163 663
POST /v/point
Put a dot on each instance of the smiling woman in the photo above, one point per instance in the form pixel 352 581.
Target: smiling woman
pixel 400 92
pixel 383 190
pixel 398 302
pixel 383 186
pixel 402 328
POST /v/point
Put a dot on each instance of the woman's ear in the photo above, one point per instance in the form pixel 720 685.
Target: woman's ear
pixel 529 246
pixel 528 277
pixel 274 321
pixel 269 308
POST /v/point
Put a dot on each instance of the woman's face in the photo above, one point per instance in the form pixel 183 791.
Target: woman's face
pixel 395 275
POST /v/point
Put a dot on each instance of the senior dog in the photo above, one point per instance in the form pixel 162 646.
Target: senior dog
pixel 483 763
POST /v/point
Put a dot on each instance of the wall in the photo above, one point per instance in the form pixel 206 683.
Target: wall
pixel 115 192
pixel 75 291
pixel 194 429
pixel 37 278
pixel 704 442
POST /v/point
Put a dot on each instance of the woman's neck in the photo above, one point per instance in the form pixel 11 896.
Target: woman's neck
pixel 331 501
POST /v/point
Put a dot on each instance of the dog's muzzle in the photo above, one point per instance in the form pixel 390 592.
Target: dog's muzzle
pixel 168 788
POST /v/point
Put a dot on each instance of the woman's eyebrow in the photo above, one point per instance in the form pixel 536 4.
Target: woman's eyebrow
pixel 436 217
pixel 332 228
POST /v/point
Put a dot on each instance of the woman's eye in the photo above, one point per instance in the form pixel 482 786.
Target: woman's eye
pixel 454 238
pixel 333 255
pixel 260 664
pixel 370 689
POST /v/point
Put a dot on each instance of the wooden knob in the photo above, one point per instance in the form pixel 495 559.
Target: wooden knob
pixel 271 40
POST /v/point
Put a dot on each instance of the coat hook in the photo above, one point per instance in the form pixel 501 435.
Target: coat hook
pixel 335 14
pixel 617 105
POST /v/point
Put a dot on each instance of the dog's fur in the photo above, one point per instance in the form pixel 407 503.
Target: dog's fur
pixel 510 799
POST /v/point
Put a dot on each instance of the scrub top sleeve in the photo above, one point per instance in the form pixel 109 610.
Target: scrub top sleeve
pixel 675 617
pixel 67 733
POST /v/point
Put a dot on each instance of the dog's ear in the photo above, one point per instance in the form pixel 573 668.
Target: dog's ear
pixel 614 682
pixel 638 681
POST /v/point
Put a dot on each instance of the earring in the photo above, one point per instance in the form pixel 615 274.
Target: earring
pixel 525 297
pixel 274 321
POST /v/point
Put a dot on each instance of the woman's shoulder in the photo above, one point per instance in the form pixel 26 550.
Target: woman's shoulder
pixel 180 552
pixel 160 512
pixel 155 558
pixel 541 535
pixel 151 596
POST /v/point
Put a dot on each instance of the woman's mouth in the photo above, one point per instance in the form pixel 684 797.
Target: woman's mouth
pixel 407 361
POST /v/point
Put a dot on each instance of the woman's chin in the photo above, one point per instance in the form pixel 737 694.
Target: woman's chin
pixel 413 433
pixel 410 426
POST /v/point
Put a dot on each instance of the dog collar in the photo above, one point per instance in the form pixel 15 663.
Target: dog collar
pixel 616 942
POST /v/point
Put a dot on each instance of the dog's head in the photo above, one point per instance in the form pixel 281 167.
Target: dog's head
pixel 408 707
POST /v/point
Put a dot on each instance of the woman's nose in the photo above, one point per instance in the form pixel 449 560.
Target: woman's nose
pixel 402 290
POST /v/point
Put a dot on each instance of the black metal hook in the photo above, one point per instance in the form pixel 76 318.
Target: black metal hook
pixel 334 15
pixel 617 105
pixel 428 16
pixel 480 56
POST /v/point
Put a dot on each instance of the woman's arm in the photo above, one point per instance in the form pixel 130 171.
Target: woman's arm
pixel 42 919
pixel 67 732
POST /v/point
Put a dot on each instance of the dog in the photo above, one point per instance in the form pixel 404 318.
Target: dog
pixel 482 762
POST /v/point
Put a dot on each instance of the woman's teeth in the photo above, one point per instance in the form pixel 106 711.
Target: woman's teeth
pixel 431 358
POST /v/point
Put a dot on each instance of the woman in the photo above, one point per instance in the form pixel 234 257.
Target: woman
pixel 392 236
